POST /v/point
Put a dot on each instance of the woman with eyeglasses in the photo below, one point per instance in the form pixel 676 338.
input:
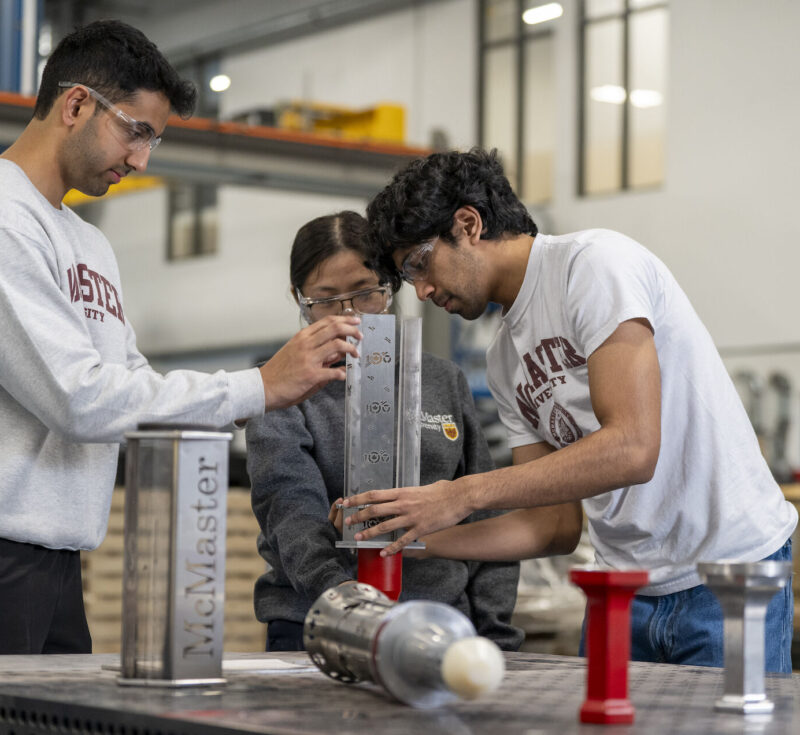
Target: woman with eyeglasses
pixel 295 458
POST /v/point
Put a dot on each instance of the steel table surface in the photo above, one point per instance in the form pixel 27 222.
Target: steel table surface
pixel 540 694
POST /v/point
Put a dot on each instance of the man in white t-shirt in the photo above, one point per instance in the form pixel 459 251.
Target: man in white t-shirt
pixel 614 398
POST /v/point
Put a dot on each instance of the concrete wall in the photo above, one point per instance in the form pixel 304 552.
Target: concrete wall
pixel 240 295
pixel 422 58
pixel 725 219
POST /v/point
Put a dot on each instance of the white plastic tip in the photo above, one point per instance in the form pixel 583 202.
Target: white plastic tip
pixel 473 666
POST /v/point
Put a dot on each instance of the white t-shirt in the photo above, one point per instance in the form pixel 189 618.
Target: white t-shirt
pixel 712 496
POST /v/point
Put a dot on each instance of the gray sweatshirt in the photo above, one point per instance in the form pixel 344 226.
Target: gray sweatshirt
pixel 295 458
pixel 72 381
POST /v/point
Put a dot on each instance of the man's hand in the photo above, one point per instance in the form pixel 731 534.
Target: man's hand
pixel 303 365
pixel 420 510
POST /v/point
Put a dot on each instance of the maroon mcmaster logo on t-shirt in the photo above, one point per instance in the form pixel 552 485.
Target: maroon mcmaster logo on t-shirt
pixel 557 355
pixel 91 287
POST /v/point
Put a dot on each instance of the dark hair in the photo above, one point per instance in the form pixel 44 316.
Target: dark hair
pixel 319 239
pixel 117 60
pixel 420 201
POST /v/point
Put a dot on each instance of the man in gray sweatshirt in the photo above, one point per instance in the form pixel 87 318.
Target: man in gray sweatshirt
pixel 72 380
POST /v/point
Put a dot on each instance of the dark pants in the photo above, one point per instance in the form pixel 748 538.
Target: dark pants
pixel 285 635
pixel 41 601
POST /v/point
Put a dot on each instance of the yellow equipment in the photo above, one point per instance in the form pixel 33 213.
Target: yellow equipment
pixel 74 198
pixel 384 122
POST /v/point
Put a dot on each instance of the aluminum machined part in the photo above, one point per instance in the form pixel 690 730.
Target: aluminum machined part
pixel 174 557
pixel 382 416
pixel 340 629
pixel 354 633
pixel 414 637
pixel 744 590
pixel 370 411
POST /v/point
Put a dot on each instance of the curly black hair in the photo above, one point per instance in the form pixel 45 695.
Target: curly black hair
pixel 421 200
pixel 117 60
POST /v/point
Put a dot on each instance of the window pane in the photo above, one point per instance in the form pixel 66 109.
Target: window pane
pixel 500 106
pixel 540 129
pixel 192 220
pixel 648 71
pixel 634 4
pixel 597 8
pixel 500 19
pixel 604 98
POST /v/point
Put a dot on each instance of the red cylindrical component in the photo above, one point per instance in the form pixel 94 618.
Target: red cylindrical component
pixel 382 572
pixel 608 642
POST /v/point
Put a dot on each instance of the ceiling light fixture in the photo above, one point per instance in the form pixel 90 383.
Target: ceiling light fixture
pixel 611 93
pixel 542 13
pixel 220 83
pixel 615 95
pixel 646 98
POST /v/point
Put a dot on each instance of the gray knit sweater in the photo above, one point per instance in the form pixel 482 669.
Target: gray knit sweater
pixel 295 458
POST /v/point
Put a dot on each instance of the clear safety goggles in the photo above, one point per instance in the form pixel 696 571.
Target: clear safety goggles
pixel 134 135
pixel 415 264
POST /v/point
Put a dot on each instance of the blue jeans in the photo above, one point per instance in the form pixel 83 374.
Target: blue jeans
pixel 686 627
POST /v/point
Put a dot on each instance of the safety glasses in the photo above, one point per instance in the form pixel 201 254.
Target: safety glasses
pixel 134 135
pixel 365 301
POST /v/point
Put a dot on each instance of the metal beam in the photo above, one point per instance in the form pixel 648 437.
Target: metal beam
pixel 207 151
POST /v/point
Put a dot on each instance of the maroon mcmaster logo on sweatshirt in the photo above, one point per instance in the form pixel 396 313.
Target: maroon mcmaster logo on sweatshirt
pixel 557 355
pixel 93 288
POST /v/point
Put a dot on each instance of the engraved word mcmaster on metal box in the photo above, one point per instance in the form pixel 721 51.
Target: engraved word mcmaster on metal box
pixel 174 576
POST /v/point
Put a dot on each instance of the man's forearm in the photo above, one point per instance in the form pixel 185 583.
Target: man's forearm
pixel 520 534
pixel 602 461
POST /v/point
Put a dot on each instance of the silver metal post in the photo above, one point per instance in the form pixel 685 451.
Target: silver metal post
pixel 174 573
pixel 744 591
pixel 382 433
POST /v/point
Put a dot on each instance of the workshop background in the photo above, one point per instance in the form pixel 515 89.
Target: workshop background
pixel 673 122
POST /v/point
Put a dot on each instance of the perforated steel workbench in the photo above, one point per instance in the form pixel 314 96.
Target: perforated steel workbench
pixel 540 694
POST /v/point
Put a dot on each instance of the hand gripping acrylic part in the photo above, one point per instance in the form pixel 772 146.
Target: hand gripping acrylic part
pixel 425 654
pixel 608 641
pixel 382 432
pixel 744 590
pixel 174 556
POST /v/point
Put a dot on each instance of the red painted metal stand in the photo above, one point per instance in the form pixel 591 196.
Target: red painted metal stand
pixel 608 642
pixel 383 573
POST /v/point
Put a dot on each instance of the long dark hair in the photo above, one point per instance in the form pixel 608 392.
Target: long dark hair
pixel 319 239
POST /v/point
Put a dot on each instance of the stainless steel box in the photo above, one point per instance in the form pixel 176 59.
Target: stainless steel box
pixel 174 577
